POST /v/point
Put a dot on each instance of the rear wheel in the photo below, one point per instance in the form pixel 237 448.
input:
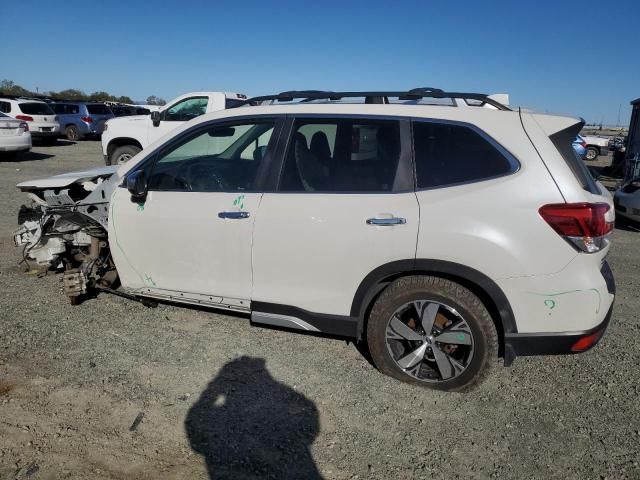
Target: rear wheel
pixel 592 153
pixel 123 154
pixel 432 332
pixel 72 133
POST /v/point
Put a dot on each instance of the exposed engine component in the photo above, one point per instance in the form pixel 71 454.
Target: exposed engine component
pixel 65 229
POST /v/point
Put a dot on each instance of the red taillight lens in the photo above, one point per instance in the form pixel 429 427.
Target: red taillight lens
pixel 584 144
pixel 24 126
pixel 26 118
pixel 87 119
pixel 583 225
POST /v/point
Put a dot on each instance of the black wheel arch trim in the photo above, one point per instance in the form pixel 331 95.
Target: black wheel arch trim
pixel 379 278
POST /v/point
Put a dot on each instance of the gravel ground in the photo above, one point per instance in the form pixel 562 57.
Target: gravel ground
pixel 112 389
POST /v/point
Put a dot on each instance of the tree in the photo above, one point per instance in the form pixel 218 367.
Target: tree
pixel 71 94
pixel 124 99
pixel 101 97
pixel 8 87
pixel 153 100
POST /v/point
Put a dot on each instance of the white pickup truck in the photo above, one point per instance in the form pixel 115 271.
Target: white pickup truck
pixel 124 137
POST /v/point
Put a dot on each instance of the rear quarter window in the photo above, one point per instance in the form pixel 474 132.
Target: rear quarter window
pixel 449 154
pixel 563 141
pixel 35 108
pixel 98 109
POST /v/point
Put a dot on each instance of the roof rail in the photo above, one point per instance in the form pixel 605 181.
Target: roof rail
pixel 375 97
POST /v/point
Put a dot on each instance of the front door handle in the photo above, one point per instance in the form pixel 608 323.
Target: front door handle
pixel 385 222
pixel 233 215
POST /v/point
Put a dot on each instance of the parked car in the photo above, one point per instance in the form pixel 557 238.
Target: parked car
pixel 43 124
pixel 596 146
pixel 580 146
pixel 79 119
pixel 382 223
pixel 124 137
pixel 14 136
pixel 627 200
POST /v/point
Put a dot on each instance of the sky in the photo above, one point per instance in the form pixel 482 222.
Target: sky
pixel 571 57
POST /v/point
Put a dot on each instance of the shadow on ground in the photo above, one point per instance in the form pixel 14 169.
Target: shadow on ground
pixel 246 424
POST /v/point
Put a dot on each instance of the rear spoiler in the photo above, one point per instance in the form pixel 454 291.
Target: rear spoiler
pixel 552 124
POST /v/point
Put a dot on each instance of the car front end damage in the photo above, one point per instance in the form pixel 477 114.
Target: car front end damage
pixel 65 229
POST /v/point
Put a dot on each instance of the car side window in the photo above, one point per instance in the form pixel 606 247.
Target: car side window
pixel 342 155
pixel 447 154
pixel 5 107
pixel 186 109
pixel 213 160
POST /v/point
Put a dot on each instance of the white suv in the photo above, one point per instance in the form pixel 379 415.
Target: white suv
pixel 43 123
pixel 439 236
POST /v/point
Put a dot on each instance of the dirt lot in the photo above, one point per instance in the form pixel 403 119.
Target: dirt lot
pixel 225 400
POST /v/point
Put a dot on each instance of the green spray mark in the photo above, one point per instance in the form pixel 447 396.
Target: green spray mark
pixel 461 337
pixel 550 303
pixel 149 280
pixel 557 294
pixel 239 202
pixel 140 207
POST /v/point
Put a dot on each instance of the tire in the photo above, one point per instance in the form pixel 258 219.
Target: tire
pixel 72 133
pixel 455 312
pixel 122 154
pixel 592 154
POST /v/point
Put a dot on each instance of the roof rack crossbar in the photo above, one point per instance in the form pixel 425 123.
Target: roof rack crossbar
pixel 375 96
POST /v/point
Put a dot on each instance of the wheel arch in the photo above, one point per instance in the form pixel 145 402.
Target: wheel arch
pixel 480 284
pixel 120 142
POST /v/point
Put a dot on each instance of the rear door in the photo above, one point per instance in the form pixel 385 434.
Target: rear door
pixel 344 206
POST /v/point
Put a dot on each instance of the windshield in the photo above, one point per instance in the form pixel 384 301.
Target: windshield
pixel 35 108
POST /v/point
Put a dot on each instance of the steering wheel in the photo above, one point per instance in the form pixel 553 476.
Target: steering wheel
pixel 205 177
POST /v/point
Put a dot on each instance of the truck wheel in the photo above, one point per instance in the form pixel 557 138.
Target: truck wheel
pixel 72 133
pixel 592 153
pixel 432 332
pixel 123 154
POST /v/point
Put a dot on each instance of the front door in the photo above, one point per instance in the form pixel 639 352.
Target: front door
pixel 345 206
pixel 191 238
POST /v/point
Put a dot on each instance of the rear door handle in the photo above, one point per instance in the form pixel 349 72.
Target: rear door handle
pixel 233 215
pixel 386 221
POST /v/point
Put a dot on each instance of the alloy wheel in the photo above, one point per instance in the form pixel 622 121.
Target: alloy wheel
pixel 429 341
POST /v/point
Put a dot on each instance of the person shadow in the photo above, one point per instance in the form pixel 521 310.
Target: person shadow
pixel 247 425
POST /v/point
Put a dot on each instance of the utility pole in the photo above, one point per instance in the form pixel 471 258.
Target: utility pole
pixel 619 107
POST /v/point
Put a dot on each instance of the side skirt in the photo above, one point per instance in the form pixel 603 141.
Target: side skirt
pixel 288 317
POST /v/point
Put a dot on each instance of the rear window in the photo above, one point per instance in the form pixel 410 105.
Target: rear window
pixel 448 154
pixel 65 108
pixel 98 109
pixel 563 141
pixel 35 108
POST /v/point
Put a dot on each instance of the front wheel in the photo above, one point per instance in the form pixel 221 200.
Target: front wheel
pixel 123 154
pixel 432 332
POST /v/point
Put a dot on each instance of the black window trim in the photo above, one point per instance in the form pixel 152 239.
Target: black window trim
pixel 404 178
pixel 513 161
pixel 262 184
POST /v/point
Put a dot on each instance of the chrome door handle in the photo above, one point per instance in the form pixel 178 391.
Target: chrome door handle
pixel 386 221
pixel 233 215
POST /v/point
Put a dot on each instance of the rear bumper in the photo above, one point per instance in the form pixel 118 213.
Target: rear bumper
pixel 53 133
pixel 15 144
pixel 559 343
pixel 627 205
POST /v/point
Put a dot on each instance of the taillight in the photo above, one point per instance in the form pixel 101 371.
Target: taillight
pixel 24 126
pixel 582 225
pixel 87 119
pixel 584 144
pixel 26 118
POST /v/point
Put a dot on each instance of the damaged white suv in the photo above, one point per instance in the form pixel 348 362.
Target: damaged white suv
pixel 441 236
